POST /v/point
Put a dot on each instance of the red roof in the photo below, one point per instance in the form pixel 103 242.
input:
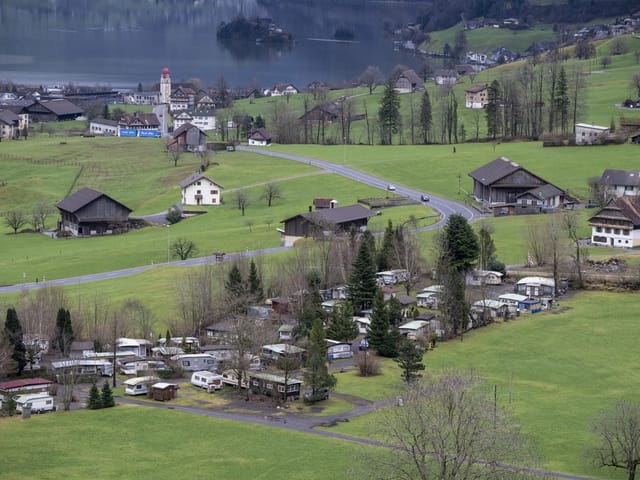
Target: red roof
pixel 23 383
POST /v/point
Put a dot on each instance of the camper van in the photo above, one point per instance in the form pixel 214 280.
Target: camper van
pixel 136 367
pixel 38 402
pixel 196 361
pixel 207 380
pixel 139 385
pixel 230 377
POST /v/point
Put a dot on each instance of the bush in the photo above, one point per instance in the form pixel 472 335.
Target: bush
pixel 369 365
pixel 174 216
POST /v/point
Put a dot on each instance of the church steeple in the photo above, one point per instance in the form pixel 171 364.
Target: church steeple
pixel 165 86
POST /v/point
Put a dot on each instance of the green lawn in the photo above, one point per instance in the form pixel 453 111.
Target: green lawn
pixel 140 442
pixel 555 371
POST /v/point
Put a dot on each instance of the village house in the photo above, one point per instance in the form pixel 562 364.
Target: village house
pixel 446 77
pixel 508 188
pixel 221 332
pixel 587 134
pixel 104 127
pixel 477 278
pixel 485 311
pixel 182 98
pixel 139 121
pixel 142 98
pixel 619 183
pixel 476 57
pixel 318 223
pixel 9 124
pixel 198 189
pixel 324 202
pixel 260 137
pixel 617 224
pixel 280 89
pixel 409 82
pixel 188 138
pixel 324 114
pixel 89 212
pixel 476 96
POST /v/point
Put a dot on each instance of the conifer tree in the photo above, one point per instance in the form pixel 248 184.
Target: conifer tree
pixel 409 360
pixel 13 332
pixel 384 253
pixel 381 338
pixel 95 400
pixel 394 309
pixel 311 305
pixel 64 331
pixel 362 284
pixel 492 110
pixel 425 116
pixel 389 113
pixel 107 396
pixel 341 325
pixel 255 284
pixel 316 374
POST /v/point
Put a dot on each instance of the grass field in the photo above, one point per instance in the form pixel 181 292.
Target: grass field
pixel 138 442
pixel 555 371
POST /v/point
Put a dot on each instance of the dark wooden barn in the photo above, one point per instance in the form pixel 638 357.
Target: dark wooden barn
pixel 188 138
pixel 314 224
pixel 55 110
pixel 89 212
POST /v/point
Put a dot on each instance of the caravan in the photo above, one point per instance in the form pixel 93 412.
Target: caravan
pixel 207 380
pixel 139 385
pixel 38 402
pixel 196 361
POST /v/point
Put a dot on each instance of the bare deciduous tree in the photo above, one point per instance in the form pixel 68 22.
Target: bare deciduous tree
pixel 618 432
pixel 183 248
pixel 39 214
pixel 448 428
pixel 195 300
pixel 536 243
pixel 15 219
pixel 241 199
pixel 135 313
pixel 371 78
pixel 572 220
pixel 174 153
pixel 271 192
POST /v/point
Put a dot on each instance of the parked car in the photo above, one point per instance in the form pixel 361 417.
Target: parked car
pixel 364 344
pixel 391 188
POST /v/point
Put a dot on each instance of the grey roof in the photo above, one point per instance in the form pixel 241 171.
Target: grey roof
pixel 413 78
pixel 8 117
pixel 194 178
pixel 543 192
pixel 83 197
pixel 62 106
pixel 337 215
pixel 620 177
pixel 494 171
pixel 260 134
pixel 478 87
pixel 104 121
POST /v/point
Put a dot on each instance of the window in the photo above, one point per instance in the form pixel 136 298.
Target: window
pixel 599 229
pixel 607 230
pixel 281 388
pixel 198 192
pixel 625 233
pixel 255 383
pixel 269 386
pixel 198 183
pixel 616 231
pixel 186 363
pixel 214 192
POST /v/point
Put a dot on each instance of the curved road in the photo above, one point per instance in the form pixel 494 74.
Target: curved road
pixel 444 206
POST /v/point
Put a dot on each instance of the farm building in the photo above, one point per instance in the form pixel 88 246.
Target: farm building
pixel 587 134
pixel 89 212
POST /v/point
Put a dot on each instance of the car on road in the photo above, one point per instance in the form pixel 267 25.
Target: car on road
pixel 364 344
pixel 391 188
pixel 424 198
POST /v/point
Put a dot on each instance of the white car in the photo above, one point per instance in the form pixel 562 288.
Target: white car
pixel 391 188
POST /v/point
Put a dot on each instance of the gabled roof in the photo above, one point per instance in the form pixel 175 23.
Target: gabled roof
pixel 413 77
pixel 194 178
pixel 543 192
pixel 8 117
pixel 104 121
pixel 623 208
pixel 620 177
pixel 61 106
pixel 82 198
pixel 184 128
pixel 476 88
pixel 140 118
pixel 494 171
pixel 260 134
pixel 338 215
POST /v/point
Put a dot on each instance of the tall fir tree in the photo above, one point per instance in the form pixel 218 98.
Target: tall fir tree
pixel 64 331
pixel 383 255
pixel 389 113
pixel 107 396
pixel 426 119
pixel 382 337
pixel 461 243
pixel 562 101
pixel 316 373
pixel 13 332
pixel 236 290
pixel 362 284
pixel 254 284
pixel 394 309
pixel 341 325
pixel 486 246
pixel 311 305
pixel 409 360
pixel 492 110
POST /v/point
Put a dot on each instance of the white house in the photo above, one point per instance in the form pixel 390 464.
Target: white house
pixel 199 189
pixel 280 89
pixel 476 57
pixel 619 183
pixel 476 96
pixel 102 126
pixel 617 224
pixel 203 119
pixel 446 77
pixel 260 137
pixel 478 278
pixel 587 134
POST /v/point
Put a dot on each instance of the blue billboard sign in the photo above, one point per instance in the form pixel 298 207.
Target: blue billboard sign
pixel 153 133
pixel 128 132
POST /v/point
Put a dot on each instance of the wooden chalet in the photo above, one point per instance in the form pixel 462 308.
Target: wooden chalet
pixel 89 212
pixel 188 138
pixel 508 187
pixel 54 110
pixel 409 81
pixel 139 121
pixel 617 224
pixel 316 223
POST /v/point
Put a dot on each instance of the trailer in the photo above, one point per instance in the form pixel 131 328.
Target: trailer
pixel 139 385
pixel 193 362
pixel 207 380
pixel 84 366
pixel 37 402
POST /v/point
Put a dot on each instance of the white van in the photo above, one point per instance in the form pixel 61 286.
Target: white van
pixel 39 402
pixel 139 385
pixel 207 380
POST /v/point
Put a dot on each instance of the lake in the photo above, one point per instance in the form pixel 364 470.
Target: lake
pixel 120 43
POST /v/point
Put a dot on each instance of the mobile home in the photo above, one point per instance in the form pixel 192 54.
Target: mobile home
pixel 207 380
pixel 84 366
pixel 336 349
pixel 391 277
pixel 139 385
pixel 193 362
pixel 38 402
pixel 230 377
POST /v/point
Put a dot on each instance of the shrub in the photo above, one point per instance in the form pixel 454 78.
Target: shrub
pixel 369 365
pixel 174 216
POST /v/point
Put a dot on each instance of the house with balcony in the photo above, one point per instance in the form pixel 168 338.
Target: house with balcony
pixel 617 224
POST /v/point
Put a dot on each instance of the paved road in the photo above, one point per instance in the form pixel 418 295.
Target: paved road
pixel 444 206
